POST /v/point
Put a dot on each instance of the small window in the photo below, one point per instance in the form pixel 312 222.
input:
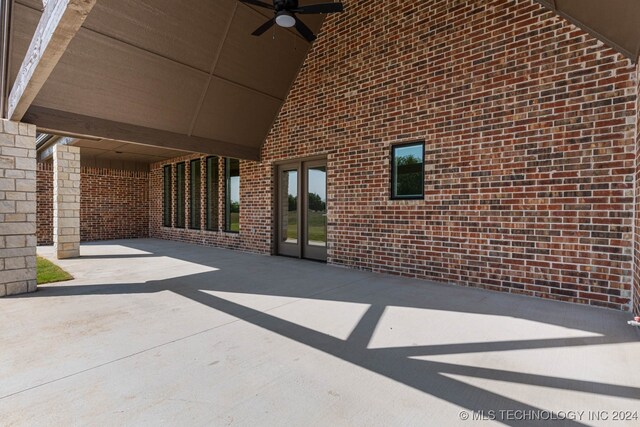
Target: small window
pixel 180 195
pixel 195 201
pixel 407 171
pixel 232 195
pixel 212 193
pixel 166 197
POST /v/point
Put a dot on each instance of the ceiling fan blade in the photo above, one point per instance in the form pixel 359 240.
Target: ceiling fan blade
pixel 304 30
pixel 320 8
pixel 264 27
pixel 259 4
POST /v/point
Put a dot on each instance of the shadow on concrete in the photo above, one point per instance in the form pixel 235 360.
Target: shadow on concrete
pixel 258 275
pixel 123 256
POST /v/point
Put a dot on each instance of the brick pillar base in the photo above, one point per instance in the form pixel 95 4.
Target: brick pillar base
pixel 66 201
pixel 17 208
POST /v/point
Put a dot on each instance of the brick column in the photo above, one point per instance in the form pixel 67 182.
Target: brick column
pixel 17 208
pixel 66 201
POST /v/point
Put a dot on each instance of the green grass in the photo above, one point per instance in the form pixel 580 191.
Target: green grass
pixel 235 222
pixel 317 226
pixel 48 272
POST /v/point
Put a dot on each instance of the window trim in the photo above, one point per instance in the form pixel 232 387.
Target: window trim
pixel 393 148
pixel 227 197
pixel 191 194
pixel 216 224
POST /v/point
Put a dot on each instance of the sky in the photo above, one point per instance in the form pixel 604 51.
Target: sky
pixel 317 183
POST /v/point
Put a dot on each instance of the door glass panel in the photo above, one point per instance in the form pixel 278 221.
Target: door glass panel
pixel 289 206
pixel 317 206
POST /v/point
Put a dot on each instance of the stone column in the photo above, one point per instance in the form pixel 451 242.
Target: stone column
pixel 17 208
pixel 66 201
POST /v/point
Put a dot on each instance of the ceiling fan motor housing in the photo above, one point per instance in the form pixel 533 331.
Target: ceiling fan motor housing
pixel 285 4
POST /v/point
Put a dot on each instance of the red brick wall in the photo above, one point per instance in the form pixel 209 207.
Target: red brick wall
pixel 636 235
pixel 529 125
pixel 255 213
pixel 114 204
pixel 44 202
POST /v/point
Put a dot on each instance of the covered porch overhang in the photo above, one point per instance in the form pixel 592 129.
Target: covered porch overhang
pixel 184 75
pixel 173 75
pixel 108 154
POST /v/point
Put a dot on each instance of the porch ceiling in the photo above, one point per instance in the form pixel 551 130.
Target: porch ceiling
pixel 166 73
pixel 122 151
pixel 615 22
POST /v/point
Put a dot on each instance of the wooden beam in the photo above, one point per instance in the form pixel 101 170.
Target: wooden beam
pixel 6 8
pixel 58 24
pixel 54 121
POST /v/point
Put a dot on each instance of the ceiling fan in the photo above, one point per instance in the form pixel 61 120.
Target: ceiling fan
pixel 285 15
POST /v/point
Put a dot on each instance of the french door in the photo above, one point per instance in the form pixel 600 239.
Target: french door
pixel 302 209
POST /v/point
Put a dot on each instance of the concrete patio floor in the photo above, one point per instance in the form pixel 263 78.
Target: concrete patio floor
pixel 162 333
